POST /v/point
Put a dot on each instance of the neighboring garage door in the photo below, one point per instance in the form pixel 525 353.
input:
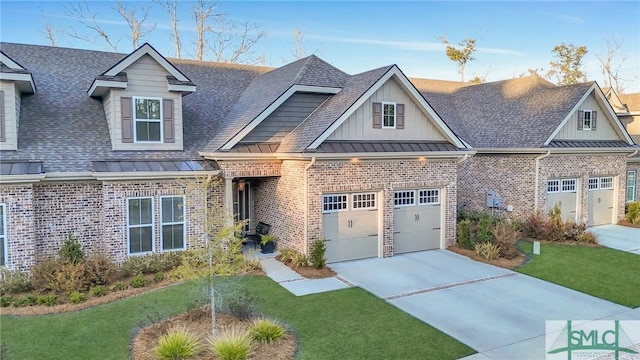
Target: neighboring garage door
pixel 350 226
pixel 417 216
pixel 563 192
pixel 601 194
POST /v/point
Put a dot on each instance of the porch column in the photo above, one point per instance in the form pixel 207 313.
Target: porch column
pixel 228 199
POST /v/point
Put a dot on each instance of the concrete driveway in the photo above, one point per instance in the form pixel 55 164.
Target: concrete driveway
pixel 498 312
pixel 618 237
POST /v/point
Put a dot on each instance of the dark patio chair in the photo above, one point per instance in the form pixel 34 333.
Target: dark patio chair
pixel 261 229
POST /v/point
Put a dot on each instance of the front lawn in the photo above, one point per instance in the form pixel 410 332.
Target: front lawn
pixel 602 272
pixel 349 323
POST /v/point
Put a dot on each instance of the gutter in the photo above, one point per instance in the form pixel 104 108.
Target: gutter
pixel 632 154
pixel 21 179
pixel 306 203
pixel 465 157
pixel 536 187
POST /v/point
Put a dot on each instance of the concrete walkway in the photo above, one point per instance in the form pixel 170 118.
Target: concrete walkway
pixel 618 237
pixel 291 280
pixel 499 313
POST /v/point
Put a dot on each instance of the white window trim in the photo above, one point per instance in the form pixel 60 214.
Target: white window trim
pixel 395 113
pixel 633 186
pixel 559 186
pixel 153 227
pixel 345 208
pixel 5 243
pixel 427 202
pixel 404 205
pixel 353 200
pixel 135 120
pixel 601 181
pixel 183 222
pixel 584 118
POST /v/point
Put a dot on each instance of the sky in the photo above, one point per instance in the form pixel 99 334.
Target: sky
pixel 356 36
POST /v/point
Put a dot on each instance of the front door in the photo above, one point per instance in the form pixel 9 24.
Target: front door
pixel 243 203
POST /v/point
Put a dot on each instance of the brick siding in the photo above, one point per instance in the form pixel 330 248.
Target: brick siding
pixel 19 206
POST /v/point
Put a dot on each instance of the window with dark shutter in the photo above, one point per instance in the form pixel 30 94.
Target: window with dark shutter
pixel 580 119
pixel 399 116
pixel 377 115
pixel 594 117
pixel 168 123
pixel 126 116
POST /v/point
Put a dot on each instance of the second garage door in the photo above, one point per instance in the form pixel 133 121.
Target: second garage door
pixel 350 226
pixel 417 220
pixel 564 193
pixel 600 201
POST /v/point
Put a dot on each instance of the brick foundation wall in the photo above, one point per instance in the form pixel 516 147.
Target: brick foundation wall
pixel 19 206
pixel 384 177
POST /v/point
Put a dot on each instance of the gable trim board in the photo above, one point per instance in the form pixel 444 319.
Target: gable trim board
pixel 393 71
pixel 93 90
pixel 273 106
pixel 145 49
pixel 604 103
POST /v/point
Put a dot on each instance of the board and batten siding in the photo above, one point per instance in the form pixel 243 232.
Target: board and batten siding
pixel 145 78
pixel 10 116
pixel 417 124
pixel 604 130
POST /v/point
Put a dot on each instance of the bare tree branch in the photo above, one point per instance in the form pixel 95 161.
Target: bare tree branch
pixel 135 23
pixel 49 31
pixel 81 13
pixel 201 13
pixel 171 6
pixel 297 38
pixel 233 45
pixel 610 71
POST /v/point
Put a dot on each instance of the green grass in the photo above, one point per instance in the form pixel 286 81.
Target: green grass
pixel 602 272
pixel 342 324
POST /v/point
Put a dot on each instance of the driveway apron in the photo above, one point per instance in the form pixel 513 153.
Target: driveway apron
pixel 618 237
pixel 498 312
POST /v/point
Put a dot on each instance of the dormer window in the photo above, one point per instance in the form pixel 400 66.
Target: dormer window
pixel 148 119
pixel 388 115
pixel 587 119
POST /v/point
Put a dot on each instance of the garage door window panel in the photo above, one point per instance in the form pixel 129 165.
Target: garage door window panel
pixel 593 183
pixel 606 183
pixel 333 203
pixel 553 186
pixel 364 201
pixel 429 197
pixel 404 198
pixel 569 185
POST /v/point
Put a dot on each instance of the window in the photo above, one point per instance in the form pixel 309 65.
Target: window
pixel 172 223
pixel 404 198
pixel 388 115
pixel 364 201
pixel 140 225
pixel 333 203
pixel 593 183
pixel 606 183
pixel 429 196
pixel 631 185
pixel 553 186
pixel 147 117
pixel 586 120
pixel 569 185
pixel 3 235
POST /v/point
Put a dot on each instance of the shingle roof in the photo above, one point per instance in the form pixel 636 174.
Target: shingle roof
pixel 515 113
pixel 66 129
pixel 631 100
pixel 265 89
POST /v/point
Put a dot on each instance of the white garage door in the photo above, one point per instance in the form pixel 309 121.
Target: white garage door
pixel 601 198
pixel 417 217
pixel 350 226
pixel 563 192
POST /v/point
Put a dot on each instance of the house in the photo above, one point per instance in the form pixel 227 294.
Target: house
pixel 627 107
pixel 113 149
pixel 537 145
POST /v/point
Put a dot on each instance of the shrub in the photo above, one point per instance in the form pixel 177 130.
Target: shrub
pixel 487 250
pixel 138 281
pixel 71 251
pixel 293 257
pixel 59 277
pixel 158 277
pixel 534 224
pixel 178 344
pixel 553 230
pixel 5 301
pixel 484 234
pixel 231 344
pixel 152 263
pixel 27 300
pixel 14 282
pixel 77 297
pixel 463 234
pixel 504 236
pixel 573 230
pixel 317 257
pixel 265 330
pixel 98 290
pixel 633 212
pixel 99 270
pixel 119 286
pixel 242 304
pixel 587 237
pixel 47 300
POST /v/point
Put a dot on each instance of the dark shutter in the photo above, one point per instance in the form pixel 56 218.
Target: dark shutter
pixel 377 115
pixel 399 116
pixel 3 137
pixel 168 123
pixel 580 119
pixel 126 106
pixel 594 119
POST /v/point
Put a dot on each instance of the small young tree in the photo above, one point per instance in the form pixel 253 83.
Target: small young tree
pixel 462 54
pixel 568 69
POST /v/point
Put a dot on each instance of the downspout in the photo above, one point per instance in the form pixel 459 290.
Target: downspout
pixel 633 154
pixel 536 187
pixel 306 203
pixel 465 157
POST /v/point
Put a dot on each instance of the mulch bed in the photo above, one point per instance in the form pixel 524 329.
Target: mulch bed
pixel 500 262
pixel 628 224
pixel 310 272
